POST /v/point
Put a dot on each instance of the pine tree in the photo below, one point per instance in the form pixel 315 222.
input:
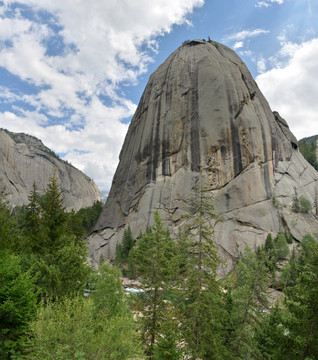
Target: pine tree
pixel 281 246
pixel 9 234
pixel 123 255
pixel 290 330
pixel 33 224
pixel 295 205
pixel 127 243
pixel 56 254
pixel 203 308
pixel 53 212
pixel 154 258
pixel 249 302
pixel 17 304
pixel 301 304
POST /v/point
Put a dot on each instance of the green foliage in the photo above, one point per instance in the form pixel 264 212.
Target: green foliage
pixel 127 244
pixel 308 150
pixel 300 204
pixel 249 301
pixel 17 304
pixel 269 244
pixel 295 205
pixel 292 328
pixel 281 247
pixel 276 202
pixel 289 238
pixel 108 294
pixel 154 258
pixel 289 272
pixel 87 217
pixel 304 204
pixel 202 313
pixel 168 344
pixel 9 234
pixel 90 328
pixel 57 256
pixel 123 254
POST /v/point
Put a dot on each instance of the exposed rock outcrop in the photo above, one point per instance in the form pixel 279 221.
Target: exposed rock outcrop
pixel 201 111
pixel 24 159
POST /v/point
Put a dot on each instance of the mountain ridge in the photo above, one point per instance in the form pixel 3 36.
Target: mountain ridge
pixel 25 159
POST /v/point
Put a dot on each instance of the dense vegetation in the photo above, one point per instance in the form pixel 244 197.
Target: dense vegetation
pixel 43 256
pixel 308 147
pixel 184 310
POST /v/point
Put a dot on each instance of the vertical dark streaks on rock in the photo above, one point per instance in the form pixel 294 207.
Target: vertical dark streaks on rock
pixel 156 144
pixel 227 201
pixel 147 151
pixel 266 160
pixel 237 154
pixel 165 150
pixel 194 116
pixel 267 181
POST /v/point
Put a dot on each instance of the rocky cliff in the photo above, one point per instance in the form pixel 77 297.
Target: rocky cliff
pixel 202 112
pixel 24 159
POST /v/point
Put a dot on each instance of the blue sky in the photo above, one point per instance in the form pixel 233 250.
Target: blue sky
pixel 72 73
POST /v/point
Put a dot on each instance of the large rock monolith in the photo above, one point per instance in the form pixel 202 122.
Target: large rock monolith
pixel 202 114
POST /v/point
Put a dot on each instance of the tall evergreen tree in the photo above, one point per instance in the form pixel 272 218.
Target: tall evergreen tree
pixel 301 304
pixel 9 234
pixel 290 329
pixel 154 258
pixel 54 252
pixel 33 223
pixel 249 302
pixel 203 307
pixel 17 304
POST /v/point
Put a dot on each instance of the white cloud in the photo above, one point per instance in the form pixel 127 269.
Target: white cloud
pixel 103 44
pixel 238 45
pixel 267 3
pixel 242 35
pixel 261 65
pixel 291 88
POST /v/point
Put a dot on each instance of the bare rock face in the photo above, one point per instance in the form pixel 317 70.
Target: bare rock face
pixel 201 111
pixel 24 159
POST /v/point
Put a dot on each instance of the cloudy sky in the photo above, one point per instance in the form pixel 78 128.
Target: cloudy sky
pixel 72 71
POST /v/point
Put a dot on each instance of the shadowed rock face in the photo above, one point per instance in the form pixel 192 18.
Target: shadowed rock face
pixel 201 111
pixel 24 159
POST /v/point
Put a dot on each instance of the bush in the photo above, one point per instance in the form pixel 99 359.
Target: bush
pixel 95 328
pixel 304 205
pixel 300 204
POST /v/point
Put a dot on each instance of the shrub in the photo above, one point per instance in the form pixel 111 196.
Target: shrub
pixel 304 205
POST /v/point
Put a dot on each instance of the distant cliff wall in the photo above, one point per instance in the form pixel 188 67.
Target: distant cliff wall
pixel 25 159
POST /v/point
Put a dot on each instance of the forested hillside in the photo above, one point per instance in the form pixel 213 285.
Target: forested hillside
pixel 308 147
pixel 55 306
